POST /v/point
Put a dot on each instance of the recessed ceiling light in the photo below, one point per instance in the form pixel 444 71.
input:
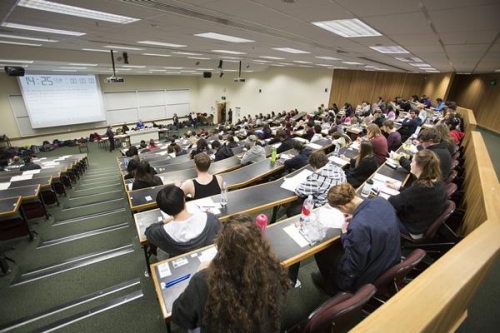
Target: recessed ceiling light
pixel 173 67
pixel 188 71
pixel 351 63
pixel 157 70
pixel 204 69
pixel 199 58
pixel 302 62
pixel 306 66
pixel 54 7
pixel 156 55
pixel 41 29
pixel 339 67
pixel 230 70
pixel 81 64
pixel 228 59
pixel 73 67
pixel 132 66
pixel 277 65
pixel 290 50
pixel 123 47
pixel 122 69
pixel 151 42
pixel 409 59
pixel 285 64
pixel 228 52
pixel 18 43
pixel 348 28
pixel 328 58
pixel 17 61
pixel 188 53
pixel 325 65
pixel 29 38
pixel 262 61
pixel 226 38
pixel 433 71
pixel 272 58
pixel 389 49
pixel 420 65
pixel 64 70
pixel 95 50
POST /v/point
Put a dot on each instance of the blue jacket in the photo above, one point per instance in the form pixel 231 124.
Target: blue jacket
pixel 300 160
pixel 371 244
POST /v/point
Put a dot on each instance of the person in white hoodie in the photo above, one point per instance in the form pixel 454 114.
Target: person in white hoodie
pixel 255 153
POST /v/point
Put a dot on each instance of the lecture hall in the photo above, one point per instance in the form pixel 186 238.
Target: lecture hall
pixel 249 165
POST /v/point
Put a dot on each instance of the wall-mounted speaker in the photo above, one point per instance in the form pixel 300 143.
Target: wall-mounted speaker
pixel 14 71
pixel 207 75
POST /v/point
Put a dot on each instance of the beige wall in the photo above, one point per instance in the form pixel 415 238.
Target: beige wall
pixel 8 86
pixel 282 89
pixel 437 85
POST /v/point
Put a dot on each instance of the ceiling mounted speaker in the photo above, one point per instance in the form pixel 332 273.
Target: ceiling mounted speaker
pixel 207 75
pixel 220 64
pixel 197 63
pixel 14 71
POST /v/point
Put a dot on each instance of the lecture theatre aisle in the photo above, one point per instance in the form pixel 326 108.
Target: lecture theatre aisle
pixel 85 270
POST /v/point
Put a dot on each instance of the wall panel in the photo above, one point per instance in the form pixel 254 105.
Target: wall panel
pixel 475 92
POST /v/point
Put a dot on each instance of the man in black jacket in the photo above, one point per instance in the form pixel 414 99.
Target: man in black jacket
pixel 221 151
pixel 29 165
pixel 409 125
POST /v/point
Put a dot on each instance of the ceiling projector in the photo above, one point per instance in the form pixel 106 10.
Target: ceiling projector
pixel 239 79
pixel 114 79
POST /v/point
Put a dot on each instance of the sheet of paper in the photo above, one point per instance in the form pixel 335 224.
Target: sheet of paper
pixel 294 233
pixel 355 145
pixel 50 163
pixel 301 139
pixel 314 146
pixel 148 198
pixel 291 183
pixel 19 178
pixel 164 270
pixel 4 186
pixel 338 160
pixel 208 254
pixel 48 166
pixel 163 153
pixel 379 181
pixel 330 217
pixel 31 172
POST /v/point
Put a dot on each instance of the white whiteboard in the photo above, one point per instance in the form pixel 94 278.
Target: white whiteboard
pixel 120 107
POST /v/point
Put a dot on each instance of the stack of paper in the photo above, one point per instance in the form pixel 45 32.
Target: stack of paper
pixel 19 178
pixel 338 160
pixel 380 182
pixel 314 146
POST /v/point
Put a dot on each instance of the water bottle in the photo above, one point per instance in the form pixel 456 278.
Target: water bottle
pixel 367 188
pixel 223 195
pixel 305 214
pixel 273 155
pixel 261 221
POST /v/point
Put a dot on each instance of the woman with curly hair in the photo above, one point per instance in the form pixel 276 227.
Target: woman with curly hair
pixel 241 289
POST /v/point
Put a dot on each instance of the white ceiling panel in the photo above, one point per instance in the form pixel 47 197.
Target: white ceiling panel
pixel 408 23
pixel 452 4
pixel 364 8
pixel 469 37
pixel 467 19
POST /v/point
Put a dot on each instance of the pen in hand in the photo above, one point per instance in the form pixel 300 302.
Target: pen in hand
pixel 176 281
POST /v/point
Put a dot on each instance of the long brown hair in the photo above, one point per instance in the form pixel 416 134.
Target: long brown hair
pixel 365 150
pixel 429 163
pixel 445 133
pixel 245 280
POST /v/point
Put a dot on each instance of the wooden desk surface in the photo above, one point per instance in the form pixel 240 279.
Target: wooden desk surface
pixel 9 206
pixel 25 192
pixel 42 181
pixel 282 245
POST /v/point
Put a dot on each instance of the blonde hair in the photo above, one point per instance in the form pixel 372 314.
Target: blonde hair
pixel 430 165
pixel 374 129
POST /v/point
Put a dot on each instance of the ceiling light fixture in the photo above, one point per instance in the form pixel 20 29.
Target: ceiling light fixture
pixel 156 55
pixel 290 50
pixel 81 64
pixel 188 53
pixel 272 58
pixel 54 7
pixel 18 43
pixel 123 47
pixel 262 61
pixel 348 28
pixel 133 66
pixel 198 58
pixel 17 61
pixel 302 62
pixel 64 70
pixel 173 67
pixel 95 50
pixel 41 29
pixel 420 65
pixel 48 40
pixel 351 63
pixel 327 58
pixel 389 49
pixel 226 38
pixel 228 52
pixel 73 67
pixel 151 42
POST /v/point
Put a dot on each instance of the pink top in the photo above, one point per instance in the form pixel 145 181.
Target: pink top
pixel 379 145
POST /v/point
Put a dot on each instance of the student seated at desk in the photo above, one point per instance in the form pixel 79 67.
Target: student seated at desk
pixel 175 148
pixel 205 184
pixel 144 176
pixel 131 168
pixel 326 174
pixel 369 244
pixel 393 136
pixel 286 141
pixel 139 125
pixel 229 294
pixel 201 147
pixel 379 143
pixel 420 204
pixel 29 165
pixel 186 231
pixel 231 143
pixel 254 153
pixel 132 151
pixel 363 166
pixel 221 151
pixel 317 133
pixel 301 159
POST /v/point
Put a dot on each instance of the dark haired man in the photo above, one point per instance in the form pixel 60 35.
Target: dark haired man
pixel 185 231
pixel 221 151
pixel 205 184
pixel 29 165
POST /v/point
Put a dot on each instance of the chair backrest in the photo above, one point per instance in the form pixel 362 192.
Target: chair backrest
pixel 451 188
pixel 454 164
pixel 339 310
pixel 389 282
pixel 434 226
pixel 452 176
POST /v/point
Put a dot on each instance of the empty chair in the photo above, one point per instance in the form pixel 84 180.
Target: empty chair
pixel 58 188
pixel 336 313
pixel 389 283
pixel 454 164
pixel 66 181
pixel 49 197
pixel 83 147
pixel 451 188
